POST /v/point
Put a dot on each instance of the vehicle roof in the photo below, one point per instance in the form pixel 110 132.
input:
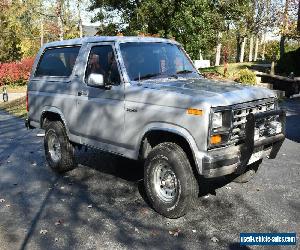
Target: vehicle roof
pixel 94 39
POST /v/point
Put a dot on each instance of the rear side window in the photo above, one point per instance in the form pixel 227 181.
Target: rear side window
pixel 57 62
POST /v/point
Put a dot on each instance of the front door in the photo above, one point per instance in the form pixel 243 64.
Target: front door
pixel 100 111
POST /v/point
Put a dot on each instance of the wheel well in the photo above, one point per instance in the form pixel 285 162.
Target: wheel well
pixel 155 137
pixel 49 116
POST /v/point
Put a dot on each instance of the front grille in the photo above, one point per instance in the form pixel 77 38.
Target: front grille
pixel 240 113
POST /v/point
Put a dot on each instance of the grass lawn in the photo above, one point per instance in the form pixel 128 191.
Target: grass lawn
pixel 16 107
pixel 232 71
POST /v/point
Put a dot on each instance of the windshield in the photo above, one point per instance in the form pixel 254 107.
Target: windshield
pixel 156 60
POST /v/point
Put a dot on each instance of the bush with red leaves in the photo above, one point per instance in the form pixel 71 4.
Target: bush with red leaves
pixel 15 73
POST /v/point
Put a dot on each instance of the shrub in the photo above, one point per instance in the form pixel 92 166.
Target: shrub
pixel 246 76
pixel 288 63
pixel 15 73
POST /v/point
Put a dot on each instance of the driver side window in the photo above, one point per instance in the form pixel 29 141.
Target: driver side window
pixel 102 61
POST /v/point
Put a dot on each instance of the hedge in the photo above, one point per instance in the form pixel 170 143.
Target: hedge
pixel 15 73
pixel 289 62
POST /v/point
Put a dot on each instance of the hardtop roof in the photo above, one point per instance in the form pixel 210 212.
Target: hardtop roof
pixel 94 39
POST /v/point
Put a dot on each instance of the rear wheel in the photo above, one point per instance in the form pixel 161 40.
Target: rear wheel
pixel 169 181
pixel 60 153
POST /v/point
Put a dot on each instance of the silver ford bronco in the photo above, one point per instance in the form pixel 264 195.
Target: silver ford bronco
pixel 143 99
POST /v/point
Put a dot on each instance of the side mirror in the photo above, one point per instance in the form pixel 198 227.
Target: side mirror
pixel 95 80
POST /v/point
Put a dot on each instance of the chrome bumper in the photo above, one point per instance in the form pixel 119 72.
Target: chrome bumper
pixel 223 161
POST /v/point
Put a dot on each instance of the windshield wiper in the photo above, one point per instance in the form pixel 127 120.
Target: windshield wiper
pixel 185 71
pixel 148 76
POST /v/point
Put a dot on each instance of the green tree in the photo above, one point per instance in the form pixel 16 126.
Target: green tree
pixel 10 43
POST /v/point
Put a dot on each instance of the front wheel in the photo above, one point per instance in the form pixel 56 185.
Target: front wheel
pixel 60 153
pixel 169 180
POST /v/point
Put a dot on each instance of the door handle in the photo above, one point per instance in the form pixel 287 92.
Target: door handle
pixel 82 93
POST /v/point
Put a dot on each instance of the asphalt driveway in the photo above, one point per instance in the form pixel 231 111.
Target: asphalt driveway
pixel 101 204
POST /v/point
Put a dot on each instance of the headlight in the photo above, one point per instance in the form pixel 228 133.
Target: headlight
pixel 217 120
pixel 220 127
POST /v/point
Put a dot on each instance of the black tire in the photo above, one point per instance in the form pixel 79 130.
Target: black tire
pixel 248 174
pixel 66 161
pixel 186 188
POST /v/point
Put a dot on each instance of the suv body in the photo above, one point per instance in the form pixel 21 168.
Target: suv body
pixel 154 99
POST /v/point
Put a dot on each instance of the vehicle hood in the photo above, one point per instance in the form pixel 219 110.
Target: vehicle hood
pixel 214 93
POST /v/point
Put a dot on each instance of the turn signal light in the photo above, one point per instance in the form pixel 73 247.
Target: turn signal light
pixel 191 111
pixel 215 139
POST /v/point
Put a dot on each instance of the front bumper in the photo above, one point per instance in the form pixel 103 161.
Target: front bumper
pixel 223 161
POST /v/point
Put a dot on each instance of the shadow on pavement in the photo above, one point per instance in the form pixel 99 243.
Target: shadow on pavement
pixel 101 204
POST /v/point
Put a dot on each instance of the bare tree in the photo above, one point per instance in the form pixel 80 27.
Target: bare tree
pixel 298 23
pixel 59 15
pixel 243 49
pixel 284 29
pixel 79 18
pixel 218 52
pixel 251 48
pixel 256 49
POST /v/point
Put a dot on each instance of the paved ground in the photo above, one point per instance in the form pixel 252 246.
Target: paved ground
pixel 12 96
pixel 101 204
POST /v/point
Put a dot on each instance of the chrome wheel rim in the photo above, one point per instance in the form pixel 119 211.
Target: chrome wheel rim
pixel 54 147
pixel 165 183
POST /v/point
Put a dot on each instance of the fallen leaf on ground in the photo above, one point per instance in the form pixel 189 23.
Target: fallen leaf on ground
pixel 175 233
pixel 2 200
pixel 214 239
pixel 90 206
pixel 56 239
pixel 206 196
pixel 194 231
pixel 59 222
pixel 154 233
pixel 136 230
pixel 34 164
pixel 43 231
pixel 228 187
pixel 144 211
pixel 7 205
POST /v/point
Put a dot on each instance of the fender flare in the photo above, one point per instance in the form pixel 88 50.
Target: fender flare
pixel 59 113
pixel 172 128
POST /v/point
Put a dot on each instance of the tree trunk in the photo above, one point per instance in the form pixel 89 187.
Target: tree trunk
pixel 285 27
pixel 243 49
pixel 238 47
pixel 79 19
pixel 218 52
pixel 298 23
pixel 42 32
pixel 256 48
pixel 282 42
pixel 263 51
pixel 60 19
pixel 251 49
